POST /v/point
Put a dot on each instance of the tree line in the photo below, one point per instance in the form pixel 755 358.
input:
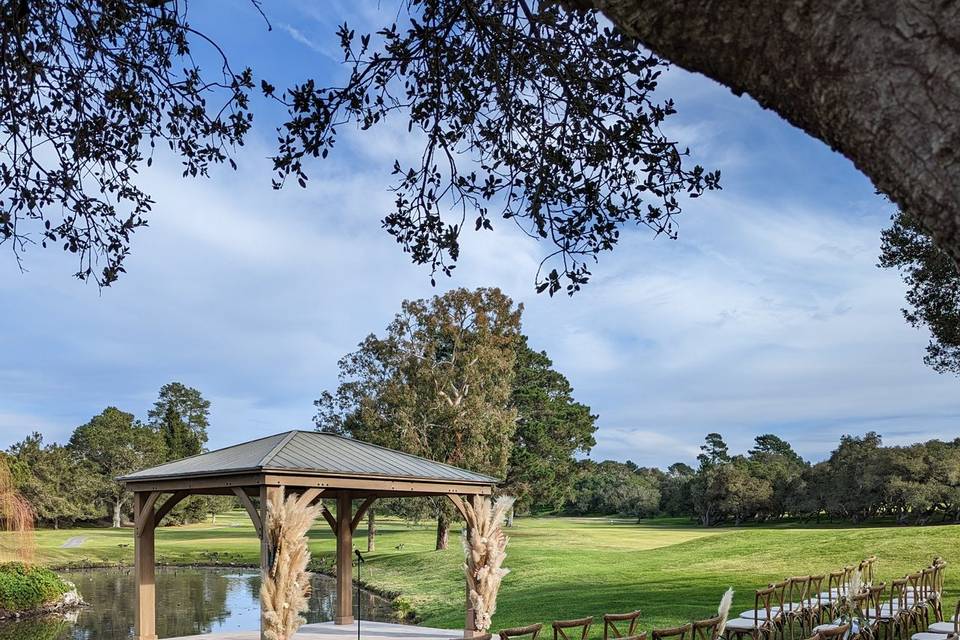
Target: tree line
pixel 75 482
pixel 453 378
pixel 861 480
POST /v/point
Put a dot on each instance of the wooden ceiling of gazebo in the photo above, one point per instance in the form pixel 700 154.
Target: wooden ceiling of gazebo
pixel 311 464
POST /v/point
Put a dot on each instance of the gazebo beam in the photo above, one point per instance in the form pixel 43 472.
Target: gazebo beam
pixel 344 609
pixel 259 519
pixel 361 511
pixel 331 520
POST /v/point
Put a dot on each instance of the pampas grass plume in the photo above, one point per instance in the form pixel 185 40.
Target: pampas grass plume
pixel 286 587
pixel 485 551
pixel 724 610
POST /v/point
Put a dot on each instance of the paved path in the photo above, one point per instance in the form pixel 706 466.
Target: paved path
pixel 73 542
pixel 329 631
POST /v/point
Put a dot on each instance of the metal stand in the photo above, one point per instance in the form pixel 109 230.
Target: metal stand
pixel 359 603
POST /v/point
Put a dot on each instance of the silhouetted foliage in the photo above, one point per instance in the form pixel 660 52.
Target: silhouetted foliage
pixel 87 89
pixel 526 111
pixel 933 289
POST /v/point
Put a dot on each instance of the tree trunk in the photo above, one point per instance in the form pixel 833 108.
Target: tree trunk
pixel 443 531
pixel 510 517
pixel 371 531
pixel 117 509
pixel 876 80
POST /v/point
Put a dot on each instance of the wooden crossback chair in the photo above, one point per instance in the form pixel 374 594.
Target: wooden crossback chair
pixel 836 587
pixel 765 619
pixel 892 617
pixel 868 604
pixel 612 620
pixel 532 630
pixel 560 628
pixel 917 614
pixel 683 632
pixel 938 566
pixel 795 608
pixel 814 602
pixel 708 629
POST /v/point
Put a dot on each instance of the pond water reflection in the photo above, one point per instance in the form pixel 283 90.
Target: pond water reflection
pixel 189 601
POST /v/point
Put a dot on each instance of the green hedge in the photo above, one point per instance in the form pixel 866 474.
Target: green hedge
pixel 23 588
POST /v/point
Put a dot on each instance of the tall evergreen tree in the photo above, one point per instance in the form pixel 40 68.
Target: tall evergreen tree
pixel 552 428
pixel 188 404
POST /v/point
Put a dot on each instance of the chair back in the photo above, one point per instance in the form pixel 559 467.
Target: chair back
pixel 766 600
pixel 867 568
pixel 914 593
pixel 682 632
pixel 836 585
pixel 869 601
pixel 708 629
pixel 939 567
pixel 560 628
pixel 798 589
pixel 614 624
pixel 927 582
pixel 898 593
pixel 816 587
pixel 532 630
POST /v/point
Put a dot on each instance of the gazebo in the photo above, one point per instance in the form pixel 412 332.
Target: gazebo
pixel 310 464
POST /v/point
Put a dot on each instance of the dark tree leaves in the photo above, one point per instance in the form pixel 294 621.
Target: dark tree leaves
pixel 85 89
pixel 933 289
pixel 553 113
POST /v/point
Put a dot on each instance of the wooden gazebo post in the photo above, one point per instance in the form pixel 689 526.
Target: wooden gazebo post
pixel 344 611
pixel 145 592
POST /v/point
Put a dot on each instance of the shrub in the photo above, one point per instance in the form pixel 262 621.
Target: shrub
pixel 23 588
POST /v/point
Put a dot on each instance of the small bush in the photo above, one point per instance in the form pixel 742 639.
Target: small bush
pixel 23 588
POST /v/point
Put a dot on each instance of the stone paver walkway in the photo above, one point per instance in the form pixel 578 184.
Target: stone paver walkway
pixel 329 631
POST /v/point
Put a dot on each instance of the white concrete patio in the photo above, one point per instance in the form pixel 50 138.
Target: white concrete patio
pixel 329 631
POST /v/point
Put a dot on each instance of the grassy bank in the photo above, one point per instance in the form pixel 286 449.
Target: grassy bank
pixel 564 567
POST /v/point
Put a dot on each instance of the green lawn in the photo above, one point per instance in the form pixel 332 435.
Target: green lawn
pixel 566 567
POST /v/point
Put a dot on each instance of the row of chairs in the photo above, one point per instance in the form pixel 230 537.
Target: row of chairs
pixel 616 626
pixel 850 607
pixel 911 603
pixel 798 604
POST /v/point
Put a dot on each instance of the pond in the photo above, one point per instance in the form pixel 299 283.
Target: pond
pixel 190 601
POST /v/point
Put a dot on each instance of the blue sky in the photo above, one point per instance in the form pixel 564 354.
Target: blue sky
pixel 768 315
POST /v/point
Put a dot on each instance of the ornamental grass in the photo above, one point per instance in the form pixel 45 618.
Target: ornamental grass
pixel 485 550
pixel 286 587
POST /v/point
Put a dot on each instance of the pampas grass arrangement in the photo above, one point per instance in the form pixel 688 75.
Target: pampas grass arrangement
pixel 286 587
pixel 485 551
pixel 724 610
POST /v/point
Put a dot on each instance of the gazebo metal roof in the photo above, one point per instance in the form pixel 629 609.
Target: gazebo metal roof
pixel 311 453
